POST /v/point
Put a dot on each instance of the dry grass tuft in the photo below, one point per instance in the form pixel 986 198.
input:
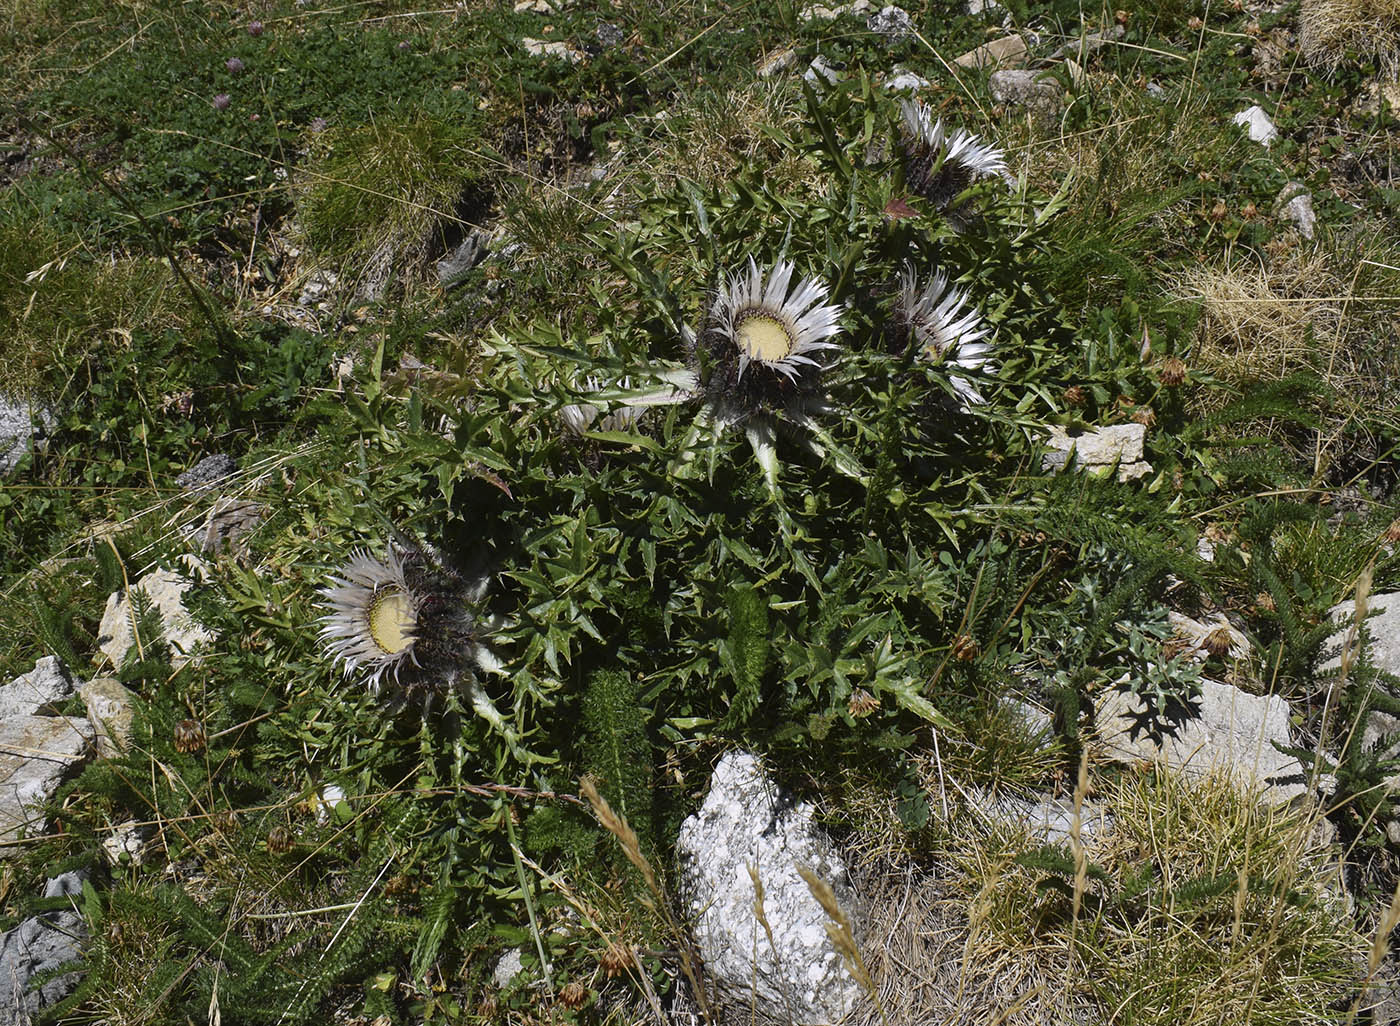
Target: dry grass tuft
pixel 708 138
pixel 1195 906
pixel 1265 322
pixel 1328 309
pixel 1330 30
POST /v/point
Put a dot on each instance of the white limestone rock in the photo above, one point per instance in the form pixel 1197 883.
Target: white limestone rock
pixel 892 24
pixel 776 62
pixel 23 426
pixel 747 821
pixel 905 82
pixel 35 754
pixel 110 711
pixel 1230 733
pixel 1261 127
pixel 166 590
pixel 818 12
pixel 821 72
pixel 1383 626
pixel 1006 52
pixel 546 48
pixel 1099 450
pixel 508 967
pixel 125 845
pixel 1035 91
pixel 1294 204
pixel 38 946
pixel 42 688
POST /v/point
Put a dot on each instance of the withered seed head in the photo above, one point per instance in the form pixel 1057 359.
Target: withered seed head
pixel 573 995
pixel 1266 602
pixel 1075 395
pixel 280 840
pixel 617 958
pixel 1217 642
pixel 1172 372
pixel 965 648
pixel 1391 535
pixel 1145 415
pixel 862 703
pixel 189 736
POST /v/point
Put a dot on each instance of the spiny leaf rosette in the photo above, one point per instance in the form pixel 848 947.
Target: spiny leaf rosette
pixel 931 317
pixel 760 340
pixel 405 619
pixel 940 163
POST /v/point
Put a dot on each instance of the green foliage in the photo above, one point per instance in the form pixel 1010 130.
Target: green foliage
pixel 746 652
pixel 616 749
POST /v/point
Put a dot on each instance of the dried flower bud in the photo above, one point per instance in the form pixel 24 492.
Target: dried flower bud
pixel 234 65
pixel 221 101
pixel 486 1007
pixel 1075 395
pixel 1249 211
pixel 1391 535
pixel 255 28
pixel 1121 16
pixel 617 958
pixel 862 703
pixel 573 995
pixel 965 648
pixel 225 821
pixel 1145 415
pixel 1195 24
pixel 1178 480
pixel 189 736
pixel 1218 642
pixel 1218 212
pixel 1172 372
pixel 280 841
pixel 1265 602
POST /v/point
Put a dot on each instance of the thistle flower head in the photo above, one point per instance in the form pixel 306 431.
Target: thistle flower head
pixel 758 320
pixel 932 318
pixel 940 163
pixel 373 617
pixel 404 618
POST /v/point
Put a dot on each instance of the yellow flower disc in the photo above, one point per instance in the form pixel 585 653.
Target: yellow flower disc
pixel 764 337
pixel 392 618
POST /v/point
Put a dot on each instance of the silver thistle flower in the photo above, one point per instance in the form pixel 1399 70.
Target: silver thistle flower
pixel 373 617
pixel 407 620
pixel 932 318
pixel 764 323
pixel 940 163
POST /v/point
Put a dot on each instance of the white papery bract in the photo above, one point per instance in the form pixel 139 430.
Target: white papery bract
pixel 768 324
pixel 932 317
pixel 940 163
pixel 372 621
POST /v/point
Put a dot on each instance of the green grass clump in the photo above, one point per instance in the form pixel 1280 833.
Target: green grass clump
pixel 384 197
